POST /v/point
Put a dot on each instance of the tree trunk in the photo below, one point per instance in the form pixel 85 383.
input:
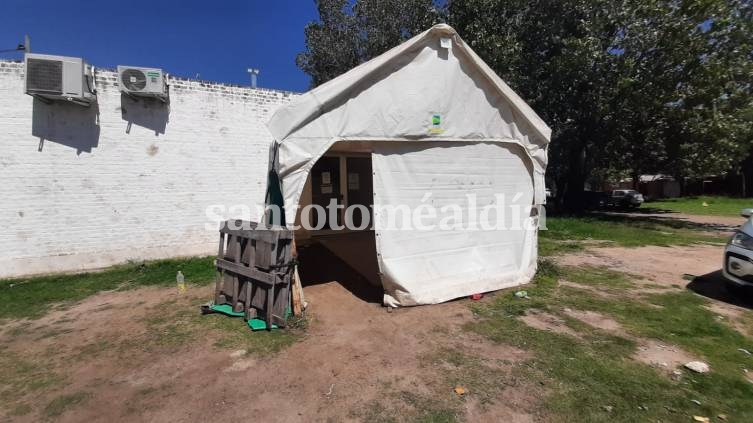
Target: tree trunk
pixel 574 198
pixel 561 188
pixel 743 186
pixel 747 177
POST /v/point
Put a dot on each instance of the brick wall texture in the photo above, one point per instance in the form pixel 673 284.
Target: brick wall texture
pixel 84 188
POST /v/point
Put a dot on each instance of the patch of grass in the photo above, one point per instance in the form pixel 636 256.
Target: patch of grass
pixel 552 247
pixel 479 377
pixel 376 412
pixel 539 291
pixel 63 403
pixel 175 323
pixel 592 371
pixel 626 232
pixel 436 415
pixel 683 320
pixel 147 399
pixel 715 206
pixel 426 409
pixel 596 276
pixel 22 376
pixel 145 392
pixel 408 407
pixel 444 369
pixel 169 325
pixel 93 349
pixel 33 297
pixel 20 330
pixel 587 378
pixel 21 410
pixel 53 333
pixel 235 334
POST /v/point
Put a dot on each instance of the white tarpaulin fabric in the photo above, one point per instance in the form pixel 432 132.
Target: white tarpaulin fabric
pixel 432 88
pixel 435 265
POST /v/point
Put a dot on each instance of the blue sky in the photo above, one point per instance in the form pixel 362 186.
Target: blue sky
pixel 217 39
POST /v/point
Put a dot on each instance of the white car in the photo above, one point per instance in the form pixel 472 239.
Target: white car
pixel 738 256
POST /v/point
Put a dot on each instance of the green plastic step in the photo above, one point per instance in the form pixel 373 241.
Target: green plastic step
pixel 226 309
pixel 254 324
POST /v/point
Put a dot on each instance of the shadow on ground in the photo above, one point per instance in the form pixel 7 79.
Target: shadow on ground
pixel 662 217
pixel 714 286
pixel 318 265
pixel 649 210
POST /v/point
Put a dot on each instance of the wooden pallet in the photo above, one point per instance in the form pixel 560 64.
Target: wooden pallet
pixel 254 270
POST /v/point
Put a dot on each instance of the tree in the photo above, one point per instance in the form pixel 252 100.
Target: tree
pixel 628 87
pixel 559 55
pixel 350 33
pixel 687 72
pixel 332 43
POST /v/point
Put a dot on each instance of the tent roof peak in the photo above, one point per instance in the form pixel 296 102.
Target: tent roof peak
pixel 312 104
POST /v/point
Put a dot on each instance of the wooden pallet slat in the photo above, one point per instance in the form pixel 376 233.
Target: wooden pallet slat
pixel 239 269
pixel 219 277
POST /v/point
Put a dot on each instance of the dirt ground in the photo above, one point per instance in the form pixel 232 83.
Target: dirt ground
pixel 354 355
pixel 355 362
pixel 662 267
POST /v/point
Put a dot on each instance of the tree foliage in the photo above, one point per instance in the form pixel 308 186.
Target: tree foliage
pixel 628 87
pixel 350 33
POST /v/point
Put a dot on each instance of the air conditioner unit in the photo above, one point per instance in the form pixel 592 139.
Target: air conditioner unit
pixel 59 78
pixel 144 82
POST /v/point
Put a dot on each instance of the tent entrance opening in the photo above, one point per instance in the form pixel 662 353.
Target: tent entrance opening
pixel 347 233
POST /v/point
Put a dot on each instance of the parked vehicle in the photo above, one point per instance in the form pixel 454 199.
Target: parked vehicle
pixel 738 256
pixel 624 198
pixel 619 198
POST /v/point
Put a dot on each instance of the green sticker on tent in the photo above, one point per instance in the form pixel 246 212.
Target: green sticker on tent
pixel 436 124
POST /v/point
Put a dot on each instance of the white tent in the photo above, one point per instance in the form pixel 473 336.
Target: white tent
pixel 434 119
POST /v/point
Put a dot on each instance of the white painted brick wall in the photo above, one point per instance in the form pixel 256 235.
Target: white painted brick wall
pixel 96 196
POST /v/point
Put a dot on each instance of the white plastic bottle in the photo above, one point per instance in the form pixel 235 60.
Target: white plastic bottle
pixel 181 281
